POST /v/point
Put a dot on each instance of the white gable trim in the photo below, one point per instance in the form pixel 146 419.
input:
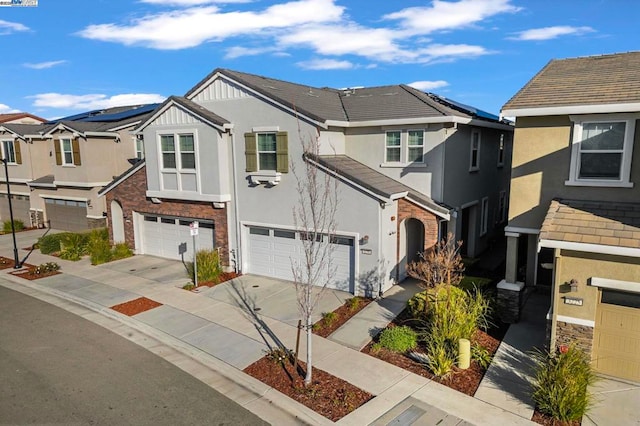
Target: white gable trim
pixel 173 103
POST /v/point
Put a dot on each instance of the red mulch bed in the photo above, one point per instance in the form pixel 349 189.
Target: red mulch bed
pixel 343 314
pixel 136 306
pixel 327 395
pixel 224 277
pixel 29 274
pixel 465 381
pixel 6 263
pixel 543 419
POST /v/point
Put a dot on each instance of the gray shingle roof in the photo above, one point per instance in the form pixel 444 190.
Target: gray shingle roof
pixel 592 80
pixel 590 222
pixel 44 181
pixel 27 129
pixel 200 110
pixel 375 181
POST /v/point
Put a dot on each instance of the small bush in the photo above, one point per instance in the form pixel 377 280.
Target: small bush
pixel 98 247
pixel 209 268
pixel 121 251
pixel 398 339
pixel 329 318
pixel 45 268
pixel 73 246
pixel 481 355
pixel 188 286
pixel 560 386
pixel 353 303
pixel 18 225
pixel 441 357
pixel 277 355
pixel 50 243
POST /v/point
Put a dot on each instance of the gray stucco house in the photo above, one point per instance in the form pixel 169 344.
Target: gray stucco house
pixel 412 166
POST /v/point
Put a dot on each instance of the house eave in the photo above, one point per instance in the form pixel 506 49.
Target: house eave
pixel 572 109
pixel 590 248
pixel 421 120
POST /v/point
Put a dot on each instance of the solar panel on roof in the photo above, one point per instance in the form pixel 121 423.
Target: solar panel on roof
pixel 471 110
pixel 97 115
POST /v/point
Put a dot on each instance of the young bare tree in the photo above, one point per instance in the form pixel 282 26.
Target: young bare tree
pixel 440 265
pixel 315 216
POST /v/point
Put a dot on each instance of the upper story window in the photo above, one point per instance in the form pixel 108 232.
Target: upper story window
pixel 484 216
pixel 403 147
pixel 139 148
pixel 183 150
pixel 67 151
pixel 501 150
pixel 474 159
pixel 267 151
pixel 394 148
pixel 415 146
pixel 9 151
pixel 601 151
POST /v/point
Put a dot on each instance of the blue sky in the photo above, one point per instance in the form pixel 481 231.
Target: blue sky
pixel 67 56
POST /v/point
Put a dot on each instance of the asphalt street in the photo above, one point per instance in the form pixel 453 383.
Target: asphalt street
pixel 58 368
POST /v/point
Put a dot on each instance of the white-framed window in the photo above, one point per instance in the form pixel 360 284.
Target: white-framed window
pixel 393 147
pixel 502 207
pixel 484 216
pixel 474 157
pixel 178 156
pixel 139 148
pixel 66 148
pixel 267 151
pixel 601 150
pixel 415 146
pixel 501 150
pixel 9 151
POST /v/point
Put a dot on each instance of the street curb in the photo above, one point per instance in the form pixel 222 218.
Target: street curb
pixel 263 396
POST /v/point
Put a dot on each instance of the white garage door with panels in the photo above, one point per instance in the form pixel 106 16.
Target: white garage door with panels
pixel 272 250
pixel 167 236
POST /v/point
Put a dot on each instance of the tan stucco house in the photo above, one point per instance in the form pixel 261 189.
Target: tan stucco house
pixel 574 213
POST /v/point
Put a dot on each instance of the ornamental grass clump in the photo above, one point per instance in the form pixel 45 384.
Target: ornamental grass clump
pixel 561 382
pixel 18 225
pixel 209 268
pixel 398 339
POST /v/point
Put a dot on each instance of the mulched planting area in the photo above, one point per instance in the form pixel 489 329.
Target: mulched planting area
pixel 6 263
pixel 224 277
pixel 136 306
pixel 546 420
pixel 29 273
pixel 327 395
pixel 465 381
pixel 343 314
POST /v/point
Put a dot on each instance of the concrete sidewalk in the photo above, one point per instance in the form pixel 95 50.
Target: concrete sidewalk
pixel 215 334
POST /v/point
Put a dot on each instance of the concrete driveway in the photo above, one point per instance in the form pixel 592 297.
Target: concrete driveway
pixel 616 403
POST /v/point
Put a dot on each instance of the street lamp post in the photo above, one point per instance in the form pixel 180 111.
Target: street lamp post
pixel 16 259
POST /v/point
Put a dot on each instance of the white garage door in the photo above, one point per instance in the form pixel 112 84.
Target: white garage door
pixel 271 252
pixel 166 236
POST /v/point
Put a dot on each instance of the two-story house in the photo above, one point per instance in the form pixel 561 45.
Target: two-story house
pixel 574 214
pixel 412 166
pixel 57 168
pixel 21 118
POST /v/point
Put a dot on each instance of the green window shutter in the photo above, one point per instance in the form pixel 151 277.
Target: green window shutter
pixel 56 145
pixel 282 152
pixel 16 148
pixel 75 144
pixel 250 152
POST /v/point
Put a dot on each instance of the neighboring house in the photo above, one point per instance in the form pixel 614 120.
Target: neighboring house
pixel 412 166
pixel 21 118
pixel 574 215
pixel 57 168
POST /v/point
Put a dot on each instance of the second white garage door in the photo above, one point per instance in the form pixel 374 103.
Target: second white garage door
pixel 164 236
pixel 271 252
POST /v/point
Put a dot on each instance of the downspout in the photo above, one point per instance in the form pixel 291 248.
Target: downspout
pixel 238 256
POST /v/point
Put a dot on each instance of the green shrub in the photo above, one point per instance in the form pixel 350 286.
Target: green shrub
pixel 560 386
pixel 73 246
pixel 18 225
pixel 353 303
pixel 441 357
pixel 277 355
pixel 100 252
pixel 50 243
pixel 329 318
pixel 45 268
pixel 481 355
pixel 121 251
pixel 398 339
pixel 209 268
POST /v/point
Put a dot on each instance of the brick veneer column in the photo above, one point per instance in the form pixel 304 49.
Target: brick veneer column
pixel 131 194
pixel 406 210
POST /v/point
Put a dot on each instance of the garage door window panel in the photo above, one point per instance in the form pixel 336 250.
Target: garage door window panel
pixel 621 298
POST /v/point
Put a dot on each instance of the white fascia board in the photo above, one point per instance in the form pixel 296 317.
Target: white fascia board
pixel 398 195
pixel 577 321
pixel 103 134
pixel 572 109
pixel 423 120
pixel 80 184
pixel 521 230
pixel 591 248
pixel 63 127
pixel 615 284
pixel 95 217
pixel 176 104
pixel 63 197
pixel 186 196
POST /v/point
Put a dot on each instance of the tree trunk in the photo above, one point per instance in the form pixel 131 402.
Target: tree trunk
pixel 307 379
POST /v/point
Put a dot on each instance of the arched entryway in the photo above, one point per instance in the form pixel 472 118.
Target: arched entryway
pixel 411 244
pixel 117 222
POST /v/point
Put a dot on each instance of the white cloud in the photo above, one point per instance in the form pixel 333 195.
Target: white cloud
pixel 326 64
pixel 445 15
pixel 548 33
pixel 6 109
pixel 44 65
pixel 190 2
pixel 239 51
pixel 93 101
pixel 7 27
pixel 428 85
pixel 193 26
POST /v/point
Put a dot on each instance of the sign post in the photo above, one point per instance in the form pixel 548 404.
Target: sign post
pixel 193 227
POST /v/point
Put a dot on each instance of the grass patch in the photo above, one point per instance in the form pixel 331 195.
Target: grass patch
pixel 398 339
pixel 18 225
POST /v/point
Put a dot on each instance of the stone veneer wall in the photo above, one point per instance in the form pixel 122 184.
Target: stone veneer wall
pixel 509 305
pixel 97 223
pixel 581 335
pixel 131 194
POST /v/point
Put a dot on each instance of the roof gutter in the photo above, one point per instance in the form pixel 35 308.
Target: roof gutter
pixel 102 134
pixel 421 120
pixel 572 109
pixel 591 248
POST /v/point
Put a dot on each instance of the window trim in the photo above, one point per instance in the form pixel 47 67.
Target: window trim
pixel 138 145
pixel 475 167
pixel 63 153
pixel 178 170
pixel 394 147
pixel 484 216
pixel 501 149
pixel 404 149
pixel 274 152
pixel 4 154
pixel 627 150
pixel 408 147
